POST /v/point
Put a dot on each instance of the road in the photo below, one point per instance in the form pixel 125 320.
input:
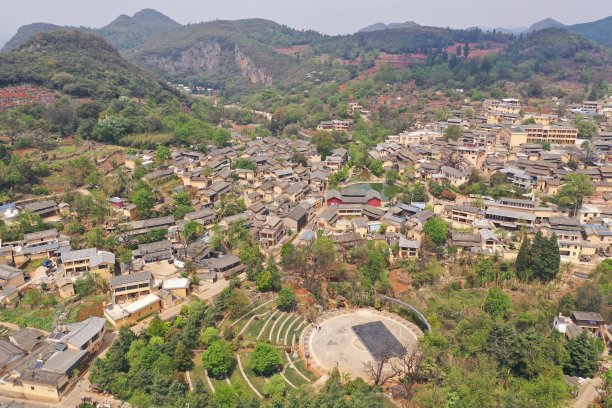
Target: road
pixel 588 393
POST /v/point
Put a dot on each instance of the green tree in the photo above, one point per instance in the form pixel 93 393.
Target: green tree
pixel 286 300
pixel 524 260
pixel 376 167
pixel 264 359
pixel 192 230
pixel 437 230
pixel 182 359
pixel 275 388
pixel 143 200
pixel 584 355
pixel 219 358
pixel 574 189
pixel 162 153
pixel 209 335
pixel 453 132
pixel 497 303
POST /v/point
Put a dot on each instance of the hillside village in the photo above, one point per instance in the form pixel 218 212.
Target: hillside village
pixel 233 214
pixel 497 175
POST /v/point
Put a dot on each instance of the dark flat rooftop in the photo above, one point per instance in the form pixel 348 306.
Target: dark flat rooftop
pixel 379 341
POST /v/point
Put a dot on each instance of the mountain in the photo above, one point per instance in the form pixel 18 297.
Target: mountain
pixel 124 32
pixel 504 30
pixel 544 24
pixel 390 26
pixel 24 33
pixel 128 32
pixel 78 64
pixel 599 31
pixel 240 54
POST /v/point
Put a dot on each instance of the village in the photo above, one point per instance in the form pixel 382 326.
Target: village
pixel 491 172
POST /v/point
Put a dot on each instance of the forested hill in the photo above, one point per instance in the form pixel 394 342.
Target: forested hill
pixel 599 31
pixel 127 32
pixel 124 32
pixel 79 64
pixel 227 54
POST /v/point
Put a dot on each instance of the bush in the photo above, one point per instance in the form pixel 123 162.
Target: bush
pixel 264 359
pixel 219 359
pixel 286 299
pixel 275 388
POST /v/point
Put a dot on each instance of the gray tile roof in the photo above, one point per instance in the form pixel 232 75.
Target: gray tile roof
pixel 131 278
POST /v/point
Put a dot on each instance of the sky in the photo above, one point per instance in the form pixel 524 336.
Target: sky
pixel 326 16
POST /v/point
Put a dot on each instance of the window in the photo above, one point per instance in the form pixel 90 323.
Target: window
pixel 31 387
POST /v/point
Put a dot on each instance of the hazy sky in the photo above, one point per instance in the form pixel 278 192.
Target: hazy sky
pixel 327 16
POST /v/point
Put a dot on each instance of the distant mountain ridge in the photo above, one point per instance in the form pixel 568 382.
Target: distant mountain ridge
pixel 124 33
pixel 544 24
pixel 390 26
pixel 599 31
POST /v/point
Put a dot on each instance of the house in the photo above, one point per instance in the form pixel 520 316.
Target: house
pixel 178 286
pixel 154 251
pixel 408 248
pixel 226 265
pixel 353 196
pixel 490 242
pixel 125 315
pixel 272 231
pixel 134 285
pixel 144 226
pixel 9 297
pixel 85 335
pixel 40 238
pixel 65 287
pixel 456 177
pixel 10 277
pixel 87 260
pixel 566 326
pixel 205 216
pixel 464 214
pixel 296 219
pixel 589 321
pixel 45 209
pixel 465 240
pixel 49 370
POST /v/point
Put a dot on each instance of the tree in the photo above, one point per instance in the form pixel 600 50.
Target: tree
pixel 182 360
pixel 524 260
pixel 453 132
pixel 574 189
pixel 219 359
pixel 324 143
pixel 209 335
pixel 243 163
pixel 143 200
pixel 264 359
pixel 584 355
pixel 437 230
pixel 286 300
pixel 379 371
pixel 192 230
pixel 376 167
pixel 162 153
pixel 275 387
pixel 497 303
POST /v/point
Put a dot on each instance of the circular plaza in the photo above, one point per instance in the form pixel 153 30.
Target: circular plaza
pixel 352 339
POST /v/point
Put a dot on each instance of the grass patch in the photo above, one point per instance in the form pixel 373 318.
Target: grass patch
pixel 198 370
pixel 257 380
pixel 255 327
pixel 301 366
pixel 26 316
pixel 266 333
pixel 66 149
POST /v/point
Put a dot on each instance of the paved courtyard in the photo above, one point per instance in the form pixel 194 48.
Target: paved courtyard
pixel 336 343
